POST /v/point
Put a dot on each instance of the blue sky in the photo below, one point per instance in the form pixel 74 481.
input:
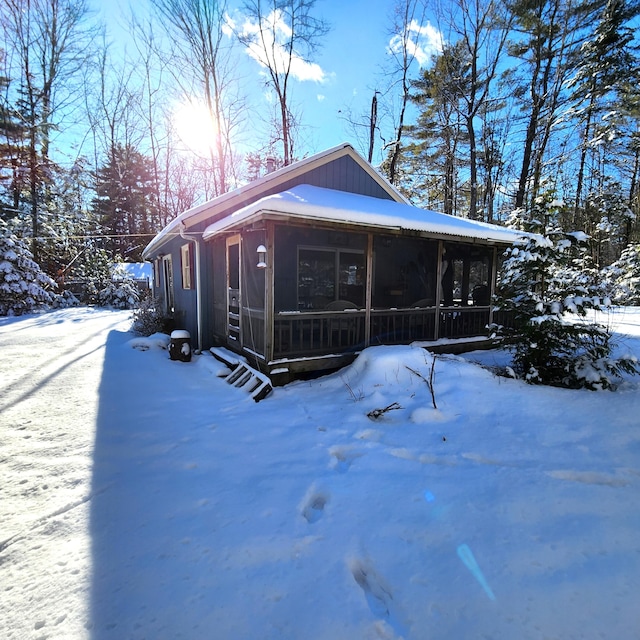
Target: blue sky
pixel 352 59
pixel 347 69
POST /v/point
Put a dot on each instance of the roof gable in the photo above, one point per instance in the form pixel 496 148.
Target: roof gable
pixel 340 168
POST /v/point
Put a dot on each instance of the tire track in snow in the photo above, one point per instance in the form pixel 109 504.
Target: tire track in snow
pixel 4 544
pixel 29 376
pixel 37 385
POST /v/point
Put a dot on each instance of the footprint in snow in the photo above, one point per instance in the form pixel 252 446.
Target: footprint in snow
pixel 343 457
pixel 378 594
pixel 313 506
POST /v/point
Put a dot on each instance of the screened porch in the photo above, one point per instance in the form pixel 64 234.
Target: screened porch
pixel 338 292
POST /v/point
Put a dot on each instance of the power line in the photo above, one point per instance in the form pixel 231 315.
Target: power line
pixel 92 237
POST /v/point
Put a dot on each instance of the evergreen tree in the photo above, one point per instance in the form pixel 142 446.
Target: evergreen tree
pixel 125 204
pixel 544 35
pixel 606 65
pixel 440 137
pixel 547 291
pixel 622 279
pixel 12 154
pixel 608 220
pixel 24 287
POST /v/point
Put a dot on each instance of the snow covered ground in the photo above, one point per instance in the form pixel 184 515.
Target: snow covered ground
pixel 146 498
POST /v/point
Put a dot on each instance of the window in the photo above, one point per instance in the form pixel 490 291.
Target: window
pixel 466 275
pixel 167 266
pixel 328 276
pixel 186 258
pixel 405 272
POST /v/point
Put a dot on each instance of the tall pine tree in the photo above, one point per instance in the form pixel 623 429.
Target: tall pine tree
pixel 12 154
pixel 606 64
pixel 125 205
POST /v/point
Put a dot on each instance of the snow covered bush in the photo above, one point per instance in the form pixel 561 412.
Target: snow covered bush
pixel 65 300
pixel 93 271
pixel 119 294
pixel 149 318
pixel 622 278
pixel 24 287
pixel 546 287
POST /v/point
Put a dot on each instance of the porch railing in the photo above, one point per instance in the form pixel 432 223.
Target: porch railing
pixel 300 334
pixel 399 326
pixel 463 322
pixel 317 333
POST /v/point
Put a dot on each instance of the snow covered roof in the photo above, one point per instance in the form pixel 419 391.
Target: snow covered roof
pixel 254 190
pixel 311 203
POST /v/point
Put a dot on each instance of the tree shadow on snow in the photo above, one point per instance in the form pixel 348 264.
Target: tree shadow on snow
pixel 148 515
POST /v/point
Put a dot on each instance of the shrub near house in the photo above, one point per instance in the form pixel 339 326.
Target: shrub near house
pixel 546 289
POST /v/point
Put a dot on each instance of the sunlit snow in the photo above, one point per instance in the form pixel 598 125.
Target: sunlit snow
pixel 147 498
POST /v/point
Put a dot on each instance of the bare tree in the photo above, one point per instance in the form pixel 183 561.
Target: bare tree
pixel 481 27
pixel 283 35
pixel 47 42
pixel 409 24
pixel 152 69
pixel 363 125
pixel 113 107
pixel 202 57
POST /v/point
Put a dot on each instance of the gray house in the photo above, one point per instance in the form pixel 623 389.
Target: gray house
pixel 303 268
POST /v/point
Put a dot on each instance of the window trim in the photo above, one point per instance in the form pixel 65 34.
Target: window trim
pixel 186 265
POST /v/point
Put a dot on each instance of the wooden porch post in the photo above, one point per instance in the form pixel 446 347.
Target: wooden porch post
pixel 466 272
pixel 368 290
pixel 492 282
pixel 269 323
pixel 436 324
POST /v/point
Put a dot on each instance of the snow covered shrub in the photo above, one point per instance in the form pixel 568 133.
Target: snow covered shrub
pixel 149 318
pixel 94 272
pixel 119 294
pixel 24 287
pixel 622 278
pixel 546 287
pixel 65 300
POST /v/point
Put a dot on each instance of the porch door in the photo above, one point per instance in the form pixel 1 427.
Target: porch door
pixel 167 268
pixel 233 290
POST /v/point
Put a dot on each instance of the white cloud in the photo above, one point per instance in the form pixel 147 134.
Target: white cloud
pixel 228 26
pixel 422 42
pixel 272 53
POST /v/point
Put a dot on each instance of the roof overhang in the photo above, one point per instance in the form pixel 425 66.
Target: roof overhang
pixel 309 205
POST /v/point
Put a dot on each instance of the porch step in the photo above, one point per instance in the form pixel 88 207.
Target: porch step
pixel 231 359
pixel 242 376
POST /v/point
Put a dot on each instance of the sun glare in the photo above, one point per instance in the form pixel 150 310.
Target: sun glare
pixel 195 127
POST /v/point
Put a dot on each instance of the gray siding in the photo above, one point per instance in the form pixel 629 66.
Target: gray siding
pixel 184 299
pixel 216 293
pixel 342 174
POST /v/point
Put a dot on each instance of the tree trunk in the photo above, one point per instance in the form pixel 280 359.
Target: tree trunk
pixel 583 156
